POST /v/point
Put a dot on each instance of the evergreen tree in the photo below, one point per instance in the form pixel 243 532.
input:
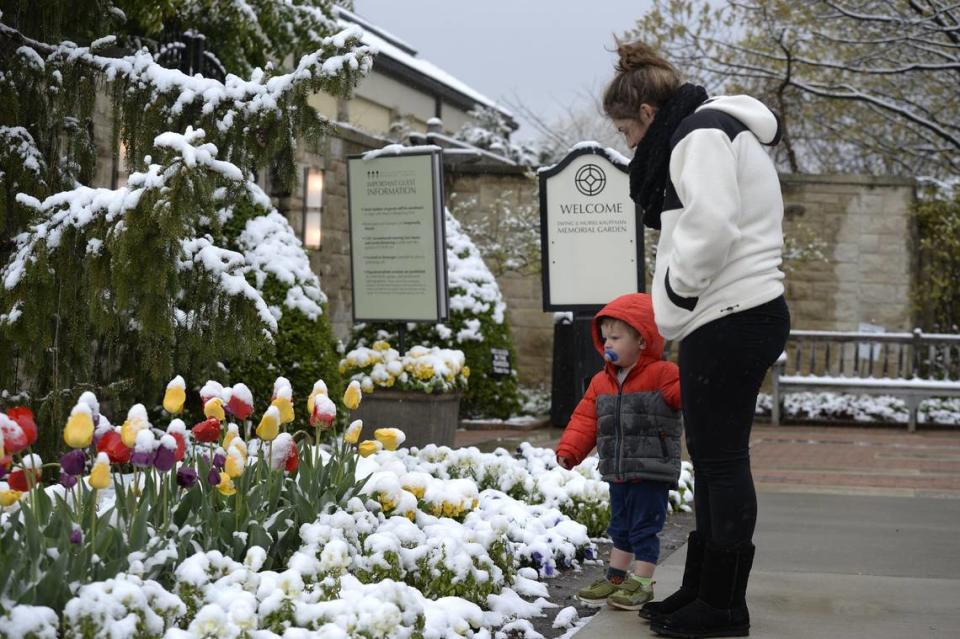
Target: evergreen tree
pixel 188 264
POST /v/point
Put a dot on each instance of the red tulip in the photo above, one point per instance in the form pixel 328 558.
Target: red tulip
pixel 181 446
pixel 18 480
pixel 112 444
pixel 24 416
pixel 207 430
pixel 293 460
pixel 241 402
pixel 14 437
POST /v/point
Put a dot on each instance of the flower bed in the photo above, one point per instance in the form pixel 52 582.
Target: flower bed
pixel 212 532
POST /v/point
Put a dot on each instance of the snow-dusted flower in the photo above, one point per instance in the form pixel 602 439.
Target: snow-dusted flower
pixel 352 396
pixel 79 430
pixel 100 475
pixel 369 447
pixel 213 408
pixel 175 396
pixel 391 438
pixel 352 434
pixel 269 426
pixel 324 412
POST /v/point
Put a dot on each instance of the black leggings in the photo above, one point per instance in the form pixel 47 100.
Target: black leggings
pixel 722 365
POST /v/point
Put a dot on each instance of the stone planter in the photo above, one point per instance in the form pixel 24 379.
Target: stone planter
pixel 425 419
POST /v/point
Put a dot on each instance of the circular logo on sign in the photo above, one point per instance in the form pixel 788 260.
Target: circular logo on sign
pixel 590 179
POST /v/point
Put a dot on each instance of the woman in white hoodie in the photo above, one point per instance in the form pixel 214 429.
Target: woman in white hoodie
pixel 701 176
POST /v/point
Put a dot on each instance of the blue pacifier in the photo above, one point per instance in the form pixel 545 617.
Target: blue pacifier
pixel 610 356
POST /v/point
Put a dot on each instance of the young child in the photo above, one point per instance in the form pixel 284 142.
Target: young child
pixel 631 414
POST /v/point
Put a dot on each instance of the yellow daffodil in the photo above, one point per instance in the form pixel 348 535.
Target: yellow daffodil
pixel 391 438
pixel 175 396
pixel 269 426
pixel 352 434
pixel 79 430
pixel 381 345
pixel 285 406
pixel 214 408
pixel 9 497
pixel 369 447
pixel 226 486
pixel 352 396
pixel 100 475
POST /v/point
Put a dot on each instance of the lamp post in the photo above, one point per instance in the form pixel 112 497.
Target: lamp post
pixel 312 207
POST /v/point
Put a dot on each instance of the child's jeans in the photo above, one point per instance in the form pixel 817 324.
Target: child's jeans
pixel 638 510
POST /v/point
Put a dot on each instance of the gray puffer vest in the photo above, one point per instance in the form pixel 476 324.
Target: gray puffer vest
pixel 638 437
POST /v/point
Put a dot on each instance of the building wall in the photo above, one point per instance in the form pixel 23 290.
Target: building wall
pixel 532 328
pixel 869 245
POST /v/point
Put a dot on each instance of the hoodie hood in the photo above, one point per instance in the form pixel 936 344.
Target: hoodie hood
pixel 636 309
pixel 754 114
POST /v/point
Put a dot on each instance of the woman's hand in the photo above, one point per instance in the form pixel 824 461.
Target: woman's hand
pixel 565 462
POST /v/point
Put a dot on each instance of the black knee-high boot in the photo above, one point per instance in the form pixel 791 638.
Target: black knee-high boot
pixel 720 609
pixel 689 587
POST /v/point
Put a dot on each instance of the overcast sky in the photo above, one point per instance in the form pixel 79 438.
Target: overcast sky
pixel 543 53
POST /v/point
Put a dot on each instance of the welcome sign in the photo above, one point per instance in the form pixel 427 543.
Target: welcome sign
pixel 590 239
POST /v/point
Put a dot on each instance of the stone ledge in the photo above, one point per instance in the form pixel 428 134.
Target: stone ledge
pixel 836 178
pixel 534 423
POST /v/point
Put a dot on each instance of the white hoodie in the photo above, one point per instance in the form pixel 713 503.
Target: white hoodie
pixel 721 238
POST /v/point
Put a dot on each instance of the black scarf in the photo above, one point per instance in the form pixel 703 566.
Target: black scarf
pixel 650 167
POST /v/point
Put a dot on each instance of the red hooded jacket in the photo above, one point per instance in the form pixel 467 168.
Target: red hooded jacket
pixel 650 373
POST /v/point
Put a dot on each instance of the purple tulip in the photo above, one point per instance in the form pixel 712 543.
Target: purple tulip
pixel 548 570
pixel 76 535
pixel 187 477
pixel 3 472
pixel 142 459
pixel 213 477
pixel 219 460
pixel 536 557
pixel 72 463
pixel 164 459
pixel 67 480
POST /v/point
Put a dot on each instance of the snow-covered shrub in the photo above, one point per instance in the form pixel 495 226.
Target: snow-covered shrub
pixel 477 324
pixel 861 408
pixel 29 622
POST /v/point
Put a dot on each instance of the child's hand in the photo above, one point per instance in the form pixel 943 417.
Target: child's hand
pixel 565 462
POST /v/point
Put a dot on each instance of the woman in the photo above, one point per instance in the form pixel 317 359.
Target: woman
pixel 701 176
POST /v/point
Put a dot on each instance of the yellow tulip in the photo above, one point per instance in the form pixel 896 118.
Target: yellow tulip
pixel 175 396
pixel 369 447
pixel 214 408
pixel 100 475
pixel 79 430
pixel 391 438
pixel 319 388
pixel 9 497
pixel 129 430
pixel 352 396
pixel 285 406
pixel 226 486
pixel 232 434
pixel 352 434
pixel 235 464
pixel 269 426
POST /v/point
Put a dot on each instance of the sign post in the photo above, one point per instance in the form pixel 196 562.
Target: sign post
pixel 591 242
pixel 398 257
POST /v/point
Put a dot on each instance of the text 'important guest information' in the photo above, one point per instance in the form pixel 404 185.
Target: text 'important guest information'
pixel 396 234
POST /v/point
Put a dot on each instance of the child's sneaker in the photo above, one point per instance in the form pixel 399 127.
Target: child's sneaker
pixel 596 594
pixel 632 594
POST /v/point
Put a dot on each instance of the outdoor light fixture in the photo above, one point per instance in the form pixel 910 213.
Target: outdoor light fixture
pixel 312 207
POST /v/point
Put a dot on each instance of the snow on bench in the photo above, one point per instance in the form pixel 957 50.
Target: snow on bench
pixel 909 365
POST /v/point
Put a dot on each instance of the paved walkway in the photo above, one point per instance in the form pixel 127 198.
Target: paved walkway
pixel 858 534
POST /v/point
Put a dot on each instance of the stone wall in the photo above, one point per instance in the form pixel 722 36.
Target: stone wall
pixel 475 195
pixel 868 243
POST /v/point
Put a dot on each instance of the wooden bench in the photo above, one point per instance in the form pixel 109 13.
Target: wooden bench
pixel 909 365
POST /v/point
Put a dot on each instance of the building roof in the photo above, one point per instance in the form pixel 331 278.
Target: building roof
pixel 398 59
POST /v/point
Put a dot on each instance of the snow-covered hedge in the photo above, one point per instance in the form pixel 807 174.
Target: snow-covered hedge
pixel 477 324
pixel 861 408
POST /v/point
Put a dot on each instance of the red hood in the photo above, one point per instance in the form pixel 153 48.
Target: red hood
pixel 636 309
